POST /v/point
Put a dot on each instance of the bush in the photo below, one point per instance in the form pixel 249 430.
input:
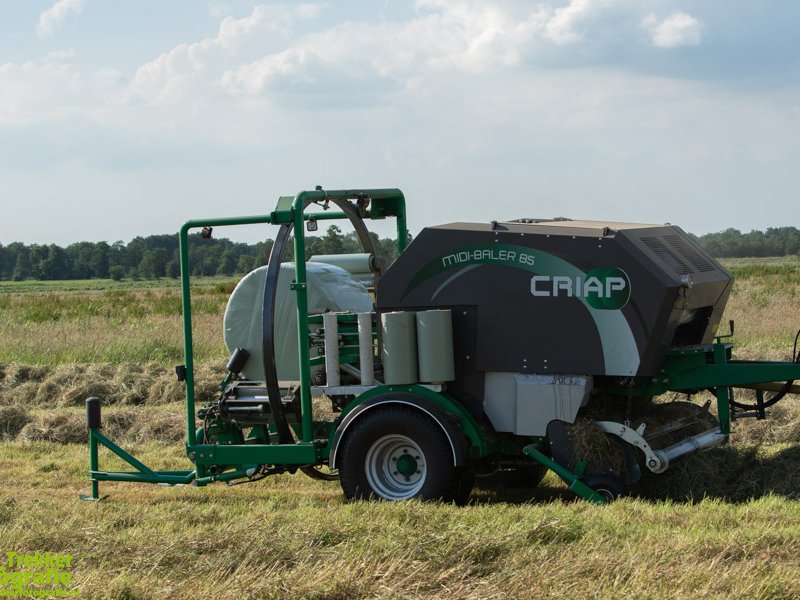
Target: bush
pixel 116 272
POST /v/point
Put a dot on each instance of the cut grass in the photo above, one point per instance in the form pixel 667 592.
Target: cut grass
pixel 721 524
pixel 289 536
pixel 126 383
pixel 53 323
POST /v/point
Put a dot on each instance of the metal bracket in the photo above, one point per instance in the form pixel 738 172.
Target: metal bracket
pixel 658 461
pixel 654 460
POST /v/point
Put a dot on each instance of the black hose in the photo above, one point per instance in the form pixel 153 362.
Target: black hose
pixel 268 310
pixel 268 335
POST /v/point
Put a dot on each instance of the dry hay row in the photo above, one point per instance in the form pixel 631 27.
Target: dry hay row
pixel 48 388
pixel 38 402
pixel 64 426
pixel 127 383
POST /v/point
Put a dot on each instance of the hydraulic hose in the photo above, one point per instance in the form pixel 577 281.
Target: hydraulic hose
pixel 268 311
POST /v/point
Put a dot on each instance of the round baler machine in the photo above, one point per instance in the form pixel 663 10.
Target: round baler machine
pixel 506 348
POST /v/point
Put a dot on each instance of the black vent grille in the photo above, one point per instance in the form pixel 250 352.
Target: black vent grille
pixel 667 256
pixel 689 252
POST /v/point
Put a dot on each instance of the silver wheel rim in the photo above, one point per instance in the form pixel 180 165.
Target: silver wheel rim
pixel 395 467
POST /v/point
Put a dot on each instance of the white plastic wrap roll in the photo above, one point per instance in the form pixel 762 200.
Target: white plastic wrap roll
pixel 399 353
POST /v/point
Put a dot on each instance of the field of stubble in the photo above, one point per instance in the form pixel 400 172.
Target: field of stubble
pixel 722 524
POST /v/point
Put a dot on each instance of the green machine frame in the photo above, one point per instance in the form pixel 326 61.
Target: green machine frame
pixel 307 451
pixel 686 370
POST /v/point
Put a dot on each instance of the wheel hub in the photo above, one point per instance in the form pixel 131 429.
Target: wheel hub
pixel 395 467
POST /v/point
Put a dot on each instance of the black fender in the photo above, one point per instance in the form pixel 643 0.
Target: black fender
pixel 448 423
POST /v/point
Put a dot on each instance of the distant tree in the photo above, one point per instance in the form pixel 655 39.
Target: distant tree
pixel 54 265
pixel 173 268
pixel 333 241
pixel 244 264
pixel 100 260
pixel 227 262
pixel 153 264
pixel 22 267
pixel 116 272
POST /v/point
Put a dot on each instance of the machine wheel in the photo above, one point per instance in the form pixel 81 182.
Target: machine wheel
pixel 609 487
pixel 398 453
pixel 465 481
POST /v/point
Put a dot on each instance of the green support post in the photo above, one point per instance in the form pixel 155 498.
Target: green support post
pixel 186 305
pixel 94 463
pixel 290 210
pixel 402 227
pixel 301 288
pixel 570 478
pixel 723 393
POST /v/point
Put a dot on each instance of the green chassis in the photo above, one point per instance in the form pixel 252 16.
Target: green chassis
pixel 685 370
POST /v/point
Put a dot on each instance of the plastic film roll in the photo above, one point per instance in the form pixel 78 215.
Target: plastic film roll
pixel 399 353
pixel 352 263
pixel 435 346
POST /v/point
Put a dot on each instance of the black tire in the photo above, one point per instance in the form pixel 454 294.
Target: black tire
pixel 396 435
pixel 611 488
pixel 465 481
pixel 321 472
pixel 522 476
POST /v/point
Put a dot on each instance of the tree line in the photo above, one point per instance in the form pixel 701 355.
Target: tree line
pixel 157 256
pixel 732 243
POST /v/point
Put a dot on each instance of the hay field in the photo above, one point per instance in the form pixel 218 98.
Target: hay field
pixel 723 524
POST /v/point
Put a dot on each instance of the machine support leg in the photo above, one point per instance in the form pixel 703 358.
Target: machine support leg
pixel 723 410
pixel 93 424
pixel 570 478
pixel 761 411
pixel 723 393
pixel 94 464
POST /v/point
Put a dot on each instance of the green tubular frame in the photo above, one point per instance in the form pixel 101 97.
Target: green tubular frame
pixel 290 210
pixel 711 368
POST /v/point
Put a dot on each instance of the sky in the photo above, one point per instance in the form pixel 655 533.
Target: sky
pixel 126 118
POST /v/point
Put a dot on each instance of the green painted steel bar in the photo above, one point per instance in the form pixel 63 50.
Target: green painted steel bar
pixel 94 462
pixel 723 393
pixel 261 454
pixel 302 316
pixel 186 312
pixel 186 301
pixel 154 477
pixel 570 478
pixel 325 216
pixel 733 374
pixel 402 227
pixel 136 464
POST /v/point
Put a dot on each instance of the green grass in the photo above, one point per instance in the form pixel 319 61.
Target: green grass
pixel 719 525
pixel 93 285
pixel 111 325
pixel 289 536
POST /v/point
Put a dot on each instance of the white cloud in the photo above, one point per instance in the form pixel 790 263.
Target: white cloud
pixel 564 25
pixel 53 18
pixel 37 89
pixel 170 76
pixel 678 29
